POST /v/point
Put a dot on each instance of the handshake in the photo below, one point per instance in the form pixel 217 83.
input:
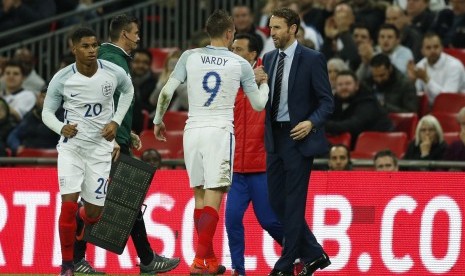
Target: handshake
pixel 260 75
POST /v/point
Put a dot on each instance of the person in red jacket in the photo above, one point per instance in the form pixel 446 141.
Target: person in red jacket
pixel 249 178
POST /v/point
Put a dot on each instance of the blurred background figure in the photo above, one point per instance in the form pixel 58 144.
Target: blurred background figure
pixel 31 131
pixel 429 141
pixel 32 81
pixel 6 125
pixel 456 150
pixel 335 65
pixel 385 160
pixel 152 157
pixel 339 158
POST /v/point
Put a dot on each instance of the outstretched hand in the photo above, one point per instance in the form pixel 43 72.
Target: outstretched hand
pixel 159 131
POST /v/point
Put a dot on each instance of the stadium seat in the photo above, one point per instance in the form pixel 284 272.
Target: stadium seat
pixel 423 104
pixel 159 56
pixel 450 137
pixel 370 142
pixel 457 53
pixel 448 102
pixel 175 120
pixel 343 138
pixel 168 150
pixel 406 122
pixel 448 121
pixel 30 152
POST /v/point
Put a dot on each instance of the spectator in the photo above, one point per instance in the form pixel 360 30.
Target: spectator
pixel 179 102
pixel 339 158
pixel 429 141
pixel 32 81
pixel 6 125
pixel 335 65
pixel 143 78
pixel 393 89
pixel 338 41
pixel 244 23
pixel 19 100
pixel 434 5
pixel 420 16
pixel 356 109
pixel 450 24
pixel 315 16
pixel 370 12
pixel 388 44
pixel 364 45
pixel 456 150
pixel 32 132
pixel 409 37
pixel 152 157
pixel 437 72
pixel 385 160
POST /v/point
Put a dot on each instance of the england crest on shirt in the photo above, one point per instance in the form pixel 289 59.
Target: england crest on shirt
pixel 107 88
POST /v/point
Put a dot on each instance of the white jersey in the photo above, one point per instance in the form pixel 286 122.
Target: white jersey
pixel 88 101
pixel 214 75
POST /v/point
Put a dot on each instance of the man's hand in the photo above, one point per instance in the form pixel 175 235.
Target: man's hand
pixel 69 130
pixel 116 151
pixel 260 75
pixel 301 130
pixel 158 130
pixel 135 141
pixel 109 131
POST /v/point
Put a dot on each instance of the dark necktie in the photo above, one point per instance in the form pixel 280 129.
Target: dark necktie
pixel 277 87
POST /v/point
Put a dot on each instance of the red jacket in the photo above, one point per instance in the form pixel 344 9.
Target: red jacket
pixel 249 156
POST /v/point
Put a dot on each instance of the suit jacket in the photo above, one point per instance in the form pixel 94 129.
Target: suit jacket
pixel 309 98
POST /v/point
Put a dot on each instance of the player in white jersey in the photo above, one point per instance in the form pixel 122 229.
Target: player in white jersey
pixel 213 76
pixel 89 128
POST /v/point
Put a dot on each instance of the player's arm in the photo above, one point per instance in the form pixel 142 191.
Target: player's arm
pixel 163 103
pixel 258 96
pixel 52 102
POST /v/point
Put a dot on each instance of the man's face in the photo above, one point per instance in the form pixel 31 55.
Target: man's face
pixel 458 6
pixel 338 159
pixel 380 74
pixel 346 86
pixel 280 32
pixel 140 64
pixel 385 163
pixel 241 48
pixel 415 7
pixel 13 77
pixel 361 36
pixel 86 50
pixel 395 17
pixel 387 40
pixel 243 19
pixel 431 49
pixel 132 37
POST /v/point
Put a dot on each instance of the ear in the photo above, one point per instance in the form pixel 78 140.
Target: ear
pixel 293 29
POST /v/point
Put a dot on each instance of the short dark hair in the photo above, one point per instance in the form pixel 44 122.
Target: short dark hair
pixel 381 60
pixel 348 73
pixel 218 23
pixel 341 146
pixel 289 15
pixel 81 32
pixel 143 51
pixel 15 63
pixel 384 153
pixel 119 23
pixel 253 42
pixel 431 34
pixel 362 25
pixel 387 26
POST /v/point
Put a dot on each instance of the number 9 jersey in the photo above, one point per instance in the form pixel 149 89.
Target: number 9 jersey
pixel 214 75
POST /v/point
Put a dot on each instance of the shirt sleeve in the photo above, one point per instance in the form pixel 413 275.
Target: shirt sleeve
pixel 52 102
pixel 180 71
pixel 125 100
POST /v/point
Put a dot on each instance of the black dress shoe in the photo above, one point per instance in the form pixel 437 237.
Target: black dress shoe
pixel 276 272
pixel 319 263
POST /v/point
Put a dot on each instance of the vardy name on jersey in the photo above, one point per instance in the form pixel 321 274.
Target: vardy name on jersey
pixel 213 60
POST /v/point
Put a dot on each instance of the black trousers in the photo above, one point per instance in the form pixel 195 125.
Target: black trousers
pixel 288 173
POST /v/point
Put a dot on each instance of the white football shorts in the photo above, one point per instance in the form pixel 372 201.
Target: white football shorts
pixel 85 168
pixel 209 155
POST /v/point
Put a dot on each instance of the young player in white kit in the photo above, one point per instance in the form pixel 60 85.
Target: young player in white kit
pixel 89 128
pixel 213 75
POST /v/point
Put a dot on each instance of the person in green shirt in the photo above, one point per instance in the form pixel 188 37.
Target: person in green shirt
pixel 124 38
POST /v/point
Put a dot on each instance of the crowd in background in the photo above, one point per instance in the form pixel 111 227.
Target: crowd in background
pixel 381 56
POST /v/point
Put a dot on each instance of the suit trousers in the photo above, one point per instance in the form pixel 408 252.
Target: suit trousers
pixel 288 173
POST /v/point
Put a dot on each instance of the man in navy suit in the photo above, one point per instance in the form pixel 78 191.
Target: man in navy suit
pixel 300 103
